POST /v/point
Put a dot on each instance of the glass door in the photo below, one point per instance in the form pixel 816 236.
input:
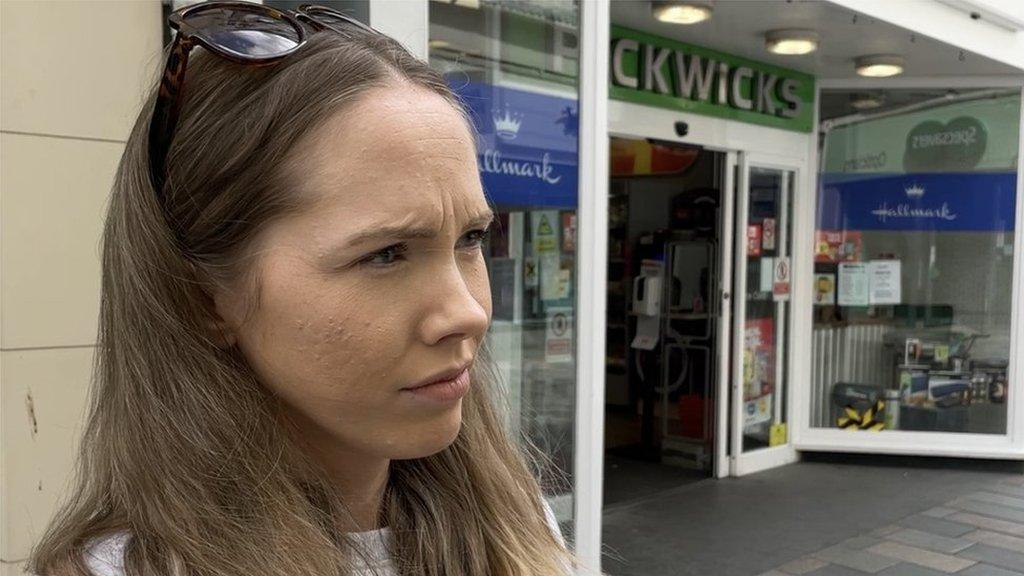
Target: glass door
pixel 762 318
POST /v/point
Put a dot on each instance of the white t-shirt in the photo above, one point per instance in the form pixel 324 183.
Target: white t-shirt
pixel 105 557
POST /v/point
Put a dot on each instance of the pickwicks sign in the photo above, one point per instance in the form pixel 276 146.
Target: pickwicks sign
pixel 656 71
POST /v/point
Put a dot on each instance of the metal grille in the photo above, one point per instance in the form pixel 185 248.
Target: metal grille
pixel 845 354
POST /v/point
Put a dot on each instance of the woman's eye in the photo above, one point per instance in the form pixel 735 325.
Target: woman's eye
pixel 386 256
pixel 475 238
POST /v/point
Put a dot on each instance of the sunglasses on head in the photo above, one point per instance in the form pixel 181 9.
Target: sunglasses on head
pixel 242 32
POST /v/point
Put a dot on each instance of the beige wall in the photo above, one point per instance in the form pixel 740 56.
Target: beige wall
pixel 72 75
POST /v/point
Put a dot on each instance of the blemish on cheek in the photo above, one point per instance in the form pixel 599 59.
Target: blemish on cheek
pixel 31 408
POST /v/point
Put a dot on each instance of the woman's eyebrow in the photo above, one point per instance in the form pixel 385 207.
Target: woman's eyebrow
pixel 408 232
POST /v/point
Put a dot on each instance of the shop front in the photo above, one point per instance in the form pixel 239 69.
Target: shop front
pixel 716 236
pixel 914 268
pixel 714 257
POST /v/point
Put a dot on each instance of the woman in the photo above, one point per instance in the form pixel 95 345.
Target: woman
pixel 290 376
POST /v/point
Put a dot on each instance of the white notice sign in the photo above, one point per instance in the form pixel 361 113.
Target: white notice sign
pixel 885 281
pixel 558 336
pixel 853 284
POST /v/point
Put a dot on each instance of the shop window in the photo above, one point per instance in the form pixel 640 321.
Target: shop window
pixel 913 260
pixel 514 65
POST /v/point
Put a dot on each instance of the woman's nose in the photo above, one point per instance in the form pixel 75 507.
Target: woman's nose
pixel 457 302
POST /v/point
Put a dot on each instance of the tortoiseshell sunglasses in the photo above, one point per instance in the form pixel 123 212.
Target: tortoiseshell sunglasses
pixel 242 32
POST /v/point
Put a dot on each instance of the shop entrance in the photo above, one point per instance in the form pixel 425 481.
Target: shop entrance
pixel 698 315
pixel 666 251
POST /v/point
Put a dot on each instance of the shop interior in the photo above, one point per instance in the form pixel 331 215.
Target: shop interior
pixel 664 242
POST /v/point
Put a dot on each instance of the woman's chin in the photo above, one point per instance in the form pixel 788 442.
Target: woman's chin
pixel 432 437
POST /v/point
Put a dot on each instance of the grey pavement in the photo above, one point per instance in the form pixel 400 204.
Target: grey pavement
pixel 828 516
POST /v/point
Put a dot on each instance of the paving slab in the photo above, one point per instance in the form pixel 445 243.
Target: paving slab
pixel 986 570
pixel 940 526
pixel 996 539
pixel 910 570
pixel 931 541
pixel 803 565
pixel 995 556
pixel 863 560
pixel 922 557
pixel 989 509
pixel 995 524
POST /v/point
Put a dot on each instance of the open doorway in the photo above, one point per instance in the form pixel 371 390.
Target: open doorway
pixel 665 240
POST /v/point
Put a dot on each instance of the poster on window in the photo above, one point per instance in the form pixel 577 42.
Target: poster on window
pixel 568 232
pixel 853 284
pixel 768 234
pixel 758 369
pixel 544 228
pixel 782 272
pixel 754 240
pixel 831 246
pixel 757 411
pixel 884 280
pixel 824 289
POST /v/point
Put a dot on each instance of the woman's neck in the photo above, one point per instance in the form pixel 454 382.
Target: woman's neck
pixel 360 482
pixel 359 479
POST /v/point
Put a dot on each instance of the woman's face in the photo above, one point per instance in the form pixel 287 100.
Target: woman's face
pixel 380 286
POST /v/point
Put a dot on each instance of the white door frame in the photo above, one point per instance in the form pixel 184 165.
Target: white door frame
pixel 592 274
pixel 722 465
pixel 748 463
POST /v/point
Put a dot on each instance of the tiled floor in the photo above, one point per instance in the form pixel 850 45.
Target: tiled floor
pixel 977 534
pixel 845 517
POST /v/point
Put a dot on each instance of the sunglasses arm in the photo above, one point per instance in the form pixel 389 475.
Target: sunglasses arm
pixel 168 104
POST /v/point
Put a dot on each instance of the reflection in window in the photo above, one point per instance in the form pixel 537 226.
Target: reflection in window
pixel 514 65
pixel 913 257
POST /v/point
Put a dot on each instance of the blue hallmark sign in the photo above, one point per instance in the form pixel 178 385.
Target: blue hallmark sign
pixel 979 202
pixel 527 145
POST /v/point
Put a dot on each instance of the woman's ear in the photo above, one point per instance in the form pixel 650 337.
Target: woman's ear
pixel 217 321
pixel 220 331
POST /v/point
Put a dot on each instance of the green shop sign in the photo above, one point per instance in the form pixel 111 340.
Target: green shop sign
pixel 656 71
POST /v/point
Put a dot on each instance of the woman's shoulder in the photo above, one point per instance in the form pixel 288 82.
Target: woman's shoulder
pixel 104 556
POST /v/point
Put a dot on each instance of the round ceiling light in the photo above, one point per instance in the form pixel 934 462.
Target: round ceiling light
pixel 680 12
pixel 879 66
pixel 866 101
pixel 791 42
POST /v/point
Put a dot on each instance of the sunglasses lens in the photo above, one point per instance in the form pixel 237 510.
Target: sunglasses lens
pixel 245 33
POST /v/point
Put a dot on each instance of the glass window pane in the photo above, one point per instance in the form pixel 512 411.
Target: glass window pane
pixel 914 260
pixel 766 329
pixel 515 67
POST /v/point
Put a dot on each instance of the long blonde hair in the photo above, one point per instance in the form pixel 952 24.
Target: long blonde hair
pixel 182 448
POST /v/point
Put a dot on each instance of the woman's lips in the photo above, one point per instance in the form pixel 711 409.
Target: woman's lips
pixel 443 391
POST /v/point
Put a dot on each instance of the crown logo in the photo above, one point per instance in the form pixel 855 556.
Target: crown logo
pixel 507 126
pixel 914 191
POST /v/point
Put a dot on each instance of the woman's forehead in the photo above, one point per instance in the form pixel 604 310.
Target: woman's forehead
pixel 391 134
pixel 395 151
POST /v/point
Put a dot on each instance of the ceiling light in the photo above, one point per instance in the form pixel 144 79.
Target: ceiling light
pixel 791 42
pixel 879 66
pixel 865 101
pixel 438 44
pixel 681 12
